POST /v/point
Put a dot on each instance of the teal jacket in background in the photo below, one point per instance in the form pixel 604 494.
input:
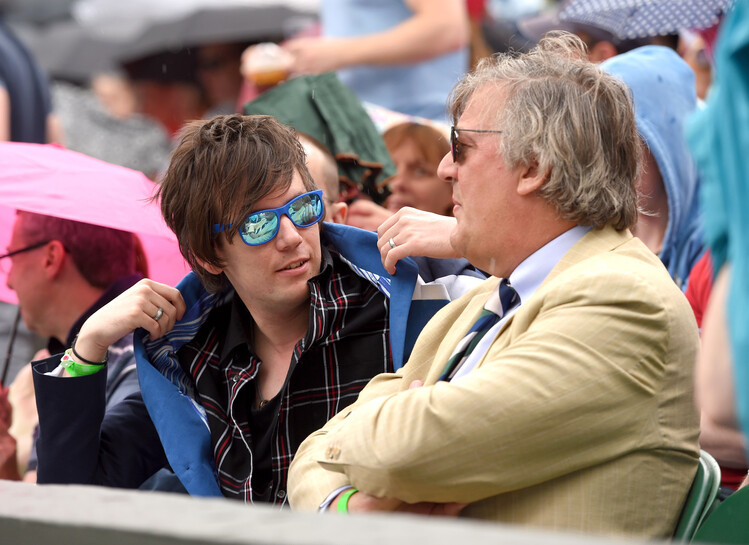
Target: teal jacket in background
pixel 719 138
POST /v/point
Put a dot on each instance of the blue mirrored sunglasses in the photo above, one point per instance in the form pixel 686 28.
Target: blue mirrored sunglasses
pixel 262 226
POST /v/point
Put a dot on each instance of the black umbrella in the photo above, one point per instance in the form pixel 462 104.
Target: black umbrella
pixel 75 50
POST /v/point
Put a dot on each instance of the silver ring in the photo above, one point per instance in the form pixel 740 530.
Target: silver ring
pixel 392 243
pixel 159 314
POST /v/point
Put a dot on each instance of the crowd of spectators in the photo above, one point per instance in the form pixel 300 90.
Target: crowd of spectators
pixel 501 320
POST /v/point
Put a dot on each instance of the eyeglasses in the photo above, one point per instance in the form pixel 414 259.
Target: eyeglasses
pixel 455 143
pixel 22 250
pixel 262 226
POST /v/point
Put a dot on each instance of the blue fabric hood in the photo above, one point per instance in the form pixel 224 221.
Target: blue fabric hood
pixel 663 90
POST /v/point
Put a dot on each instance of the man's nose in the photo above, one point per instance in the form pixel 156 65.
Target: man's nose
pixel 288 234
pixel 447 169
pixel 396 183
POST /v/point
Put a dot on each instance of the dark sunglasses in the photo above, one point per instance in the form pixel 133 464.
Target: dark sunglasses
pixel 262 226
pixel 455 143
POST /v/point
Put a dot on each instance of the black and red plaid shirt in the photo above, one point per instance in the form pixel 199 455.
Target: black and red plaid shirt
pixel 347 343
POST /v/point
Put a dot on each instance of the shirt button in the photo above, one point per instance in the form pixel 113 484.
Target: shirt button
pixel 281 494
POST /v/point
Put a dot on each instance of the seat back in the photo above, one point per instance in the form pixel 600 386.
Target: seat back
pixel 729 522
pixel 701 499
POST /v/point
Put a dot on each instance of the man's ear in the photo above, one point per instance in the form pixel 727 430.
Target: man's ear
pixel 213 269
pixel 54 258
pixel 337 212
pixel 531 179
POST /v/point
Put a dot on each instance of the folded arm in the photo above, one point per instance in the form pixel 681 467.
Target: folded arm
pixel 585 372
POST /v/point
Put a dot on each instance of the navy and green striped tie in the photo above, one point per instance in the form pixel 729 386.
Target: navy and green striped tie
pixel 499 303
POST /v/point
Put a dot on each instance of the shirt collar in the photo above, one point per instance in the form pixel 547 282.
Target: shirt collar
pixel 239 328
pixel 528 276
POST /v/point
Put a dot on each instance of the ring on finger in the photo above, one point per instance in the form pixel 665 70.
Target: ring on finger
pixel 159 314
pixel 392 243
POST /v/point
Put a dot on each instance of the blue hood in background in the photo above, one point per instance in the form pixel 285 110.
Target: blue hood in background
pixel 664 95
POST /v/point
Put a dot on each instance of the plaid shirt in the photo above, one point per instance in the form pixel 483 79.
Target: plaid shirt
pixel 347 343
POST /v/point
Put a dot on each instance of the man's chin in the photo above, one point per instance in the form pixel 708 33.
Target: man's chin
pixel 457 242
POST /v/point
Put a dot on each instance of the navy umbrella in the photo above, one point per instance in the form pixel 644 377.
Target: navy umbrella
pixel 628 19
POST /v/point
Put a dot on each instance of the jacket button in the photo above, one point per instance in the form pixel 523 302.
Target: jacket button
pixel 235 378
pixel 281 494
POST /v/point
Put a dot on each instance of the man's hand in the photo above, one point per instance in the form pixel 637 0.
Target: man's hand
pixel 317 55
pixel 134 308
pixel 415 233
pixel 360 502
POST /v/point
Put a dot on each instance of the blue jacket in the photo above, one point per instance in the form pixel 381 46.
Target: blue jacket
pixel 167 391
pixel 664 94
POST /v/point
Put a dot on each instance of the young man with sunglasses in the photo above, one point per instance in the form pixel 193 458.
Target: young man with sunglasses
pixel 280 325
pixel 559 393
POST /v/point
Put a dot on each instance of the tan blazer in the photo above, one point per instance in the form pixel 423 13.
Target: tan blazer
pixel 580 416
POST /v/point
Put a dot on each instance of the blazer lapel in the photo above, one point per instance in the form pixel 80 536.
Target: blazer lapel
pixel 594 242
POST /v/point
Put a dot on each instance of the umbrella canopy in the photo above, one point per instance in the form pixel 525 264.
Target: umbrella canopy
pixel 104 33
pixel 50 180
pixel 629 19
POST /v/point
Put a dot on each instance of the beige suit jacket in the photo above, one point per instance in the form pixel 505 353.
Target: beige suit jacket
pixel 580 416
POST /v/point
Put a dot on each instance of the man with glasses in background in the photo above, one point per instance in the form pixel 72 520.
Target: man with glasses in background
pixel 559 393
pixel 280 325
pixel 62 272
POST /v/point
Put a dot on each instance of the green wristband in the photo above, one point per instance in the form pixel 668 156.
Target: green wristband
pixel 76 369
pixel 343 500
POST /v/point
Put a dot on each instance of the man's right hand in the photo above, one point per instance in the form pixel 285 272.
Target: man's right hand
pixel 361 502
pixel 134 308
pixel 415 233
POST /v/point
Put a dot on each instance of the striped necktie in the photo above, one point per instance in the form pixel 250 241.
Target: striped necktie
pixel 500 302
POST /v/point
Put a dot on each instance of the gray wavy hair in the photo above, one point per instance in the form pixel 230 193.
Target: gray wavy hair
pixel 572 119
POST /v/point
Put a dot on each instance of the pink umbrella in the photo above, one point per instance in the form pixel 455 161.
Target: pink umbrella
pixel 51 180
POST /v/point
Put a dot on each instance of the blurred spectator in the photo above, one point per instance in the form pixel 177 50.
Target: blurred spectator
pixel 8 465
pixel 694 51
pixel 115 93
pixel 65 271
pixel 167 89
pixel 25 418
pixel 668 222
pixel 105 124
pixel 719 140
pixel 25 106
pixel 25 116
pixel 218 73
pixel 479 48
pixel 416 150
pixel 323 168
pixel 404 55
